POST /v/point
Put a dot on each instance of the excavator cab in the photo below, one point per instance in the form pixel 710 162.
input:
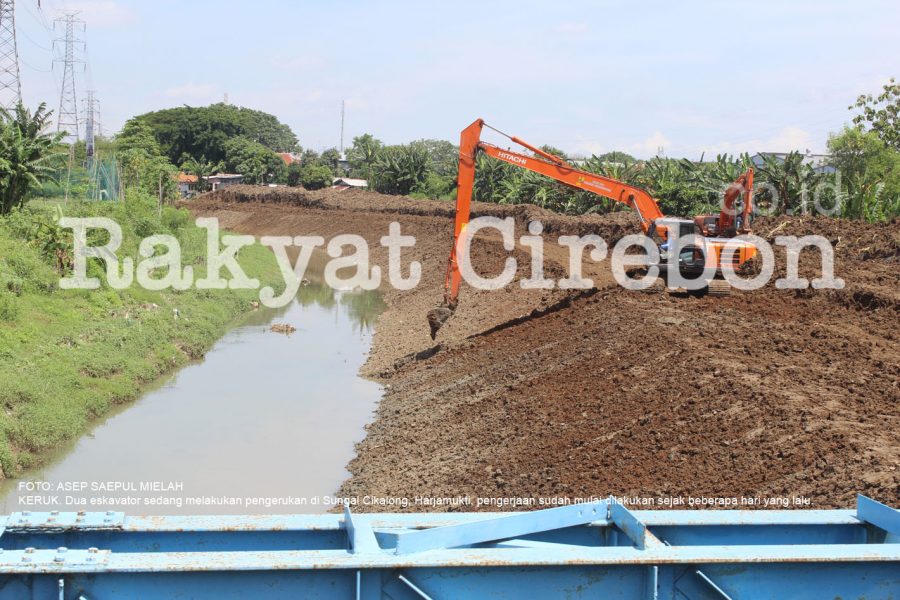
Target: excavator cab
pixel 692 259
pixel 714 228
pixel 708 225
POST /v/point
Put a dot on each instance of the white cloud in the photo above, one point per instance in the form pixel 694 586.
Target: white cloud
pixel 102 13
pixel 791 138
pixel 588 147
pixel 785 140
pixel 652 145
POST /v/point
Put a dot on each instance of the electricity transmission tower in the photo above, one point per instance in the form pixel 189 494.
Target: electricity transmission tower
pixel 90 124
pixel 10 84
pixel 68 100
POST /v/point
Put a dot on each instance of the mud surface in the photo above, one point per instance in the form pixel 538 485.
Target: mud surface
pixel 561 393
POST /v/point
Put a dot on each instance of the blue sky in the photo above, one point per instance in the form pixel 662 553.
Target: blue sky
pixel 689 77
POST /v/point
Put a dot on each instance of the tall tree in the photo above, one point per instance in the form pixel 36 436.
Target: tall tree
pixel 363 154
pixel 254 161
pixel 869 174
pixel 881 113
pixel 204 131
pixel 137 135
pixel 331 159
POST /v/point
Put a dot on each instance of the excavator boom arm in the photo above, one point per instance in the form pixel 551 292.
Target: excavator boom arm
pixel 549 165
pixel 556 168
pixel 742 188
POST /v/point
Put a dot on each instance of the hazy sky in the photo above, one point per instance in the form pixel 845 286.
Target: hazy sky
pixel 583 76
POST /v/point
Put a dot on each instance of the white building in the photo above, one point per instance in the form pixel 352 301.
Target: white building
pixel 221 180
pixel 345 183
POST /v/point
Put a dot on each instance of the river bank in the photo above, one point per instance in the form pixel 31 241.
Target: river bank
pixel 552 394
pixel 232 433
pixel 71 356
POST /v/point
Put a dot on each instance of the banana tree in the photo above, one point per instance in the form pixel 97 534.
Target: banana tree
pixel 401 169
pixel 27 154
pixel 787 182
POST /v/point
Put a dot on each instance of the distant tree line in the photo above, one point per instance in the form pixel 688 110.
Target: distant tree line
pixel 152 148
pixel 864 180
pixel 204 140
pixel 207 131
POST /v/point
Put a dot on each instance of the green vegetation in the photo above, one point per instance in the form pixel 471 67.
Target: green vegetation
pixel 423 169
pixel 881 114
pixel 866 156
pixel 401 169
pixel 206 131
pixel 26 154
pixel 363 154
pixel 143 164
pixel 68 356
pixel 254 161
pixel 315 171
pixel 203 140
pixel 152 148
pixel 870 174
pixel 315 177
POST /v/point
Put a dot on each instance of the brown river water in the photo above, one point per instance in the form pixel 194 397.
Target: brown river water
pixel 264 424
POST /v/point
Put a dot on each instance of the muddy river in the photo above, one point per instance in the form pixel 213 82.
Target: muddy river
pixel 264 424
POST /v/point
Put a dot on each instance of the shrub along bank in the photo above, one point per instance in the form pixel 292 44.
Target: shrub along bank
pixel 69 356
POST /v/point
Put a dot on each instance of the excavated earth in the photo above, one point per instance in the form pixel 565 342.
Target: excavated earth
pixel 554 393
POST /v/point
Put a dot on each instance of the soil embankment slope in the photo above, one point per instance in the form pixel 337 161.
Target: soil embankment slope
pixel 769 393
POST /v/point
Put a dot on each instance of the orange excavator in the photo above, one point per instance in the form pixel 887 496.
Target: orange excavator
pixel 716 229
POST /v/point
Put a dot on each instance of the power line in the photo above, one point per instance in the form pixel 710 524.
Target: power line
pixel 10 80
pixel 68 99
pixel 27 37
pixel 27 65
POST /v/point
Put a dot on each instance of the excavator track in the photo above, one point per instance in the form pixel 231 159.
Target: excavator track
pixel 719 287
pixel 653 221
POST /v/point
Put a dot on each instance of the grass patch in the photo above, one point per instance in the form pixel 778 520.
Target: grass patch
pixel 69 356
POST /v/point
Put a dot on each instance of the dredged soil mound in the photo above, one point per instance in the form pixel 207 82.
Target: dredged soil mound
pixel 554 393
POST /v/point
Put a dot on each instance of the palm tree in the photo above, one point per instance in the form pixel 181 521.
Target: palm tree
pixel 26 153
pixel 363 154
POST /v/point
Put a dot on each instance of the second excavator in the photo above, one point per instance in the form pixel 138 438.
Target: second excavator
pixel 717 230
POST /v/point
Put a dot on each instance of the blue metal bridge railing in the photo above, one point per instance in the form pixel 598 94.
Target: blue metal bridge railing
pixel 596 550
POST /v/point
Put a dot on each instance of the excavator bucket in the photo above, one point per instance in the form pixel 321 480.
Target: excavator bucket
pixel 437 317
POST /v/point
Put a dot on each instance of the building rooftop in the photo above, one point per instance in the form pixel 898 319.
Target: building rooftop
pixel 350 182
pixel 224 176
pixel 289 158
pixel 186 178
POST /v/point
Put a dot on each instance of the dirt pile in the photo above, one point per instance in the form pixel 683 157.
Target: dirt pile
pixel 547 393
pixel 611 227
pixel 866 257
